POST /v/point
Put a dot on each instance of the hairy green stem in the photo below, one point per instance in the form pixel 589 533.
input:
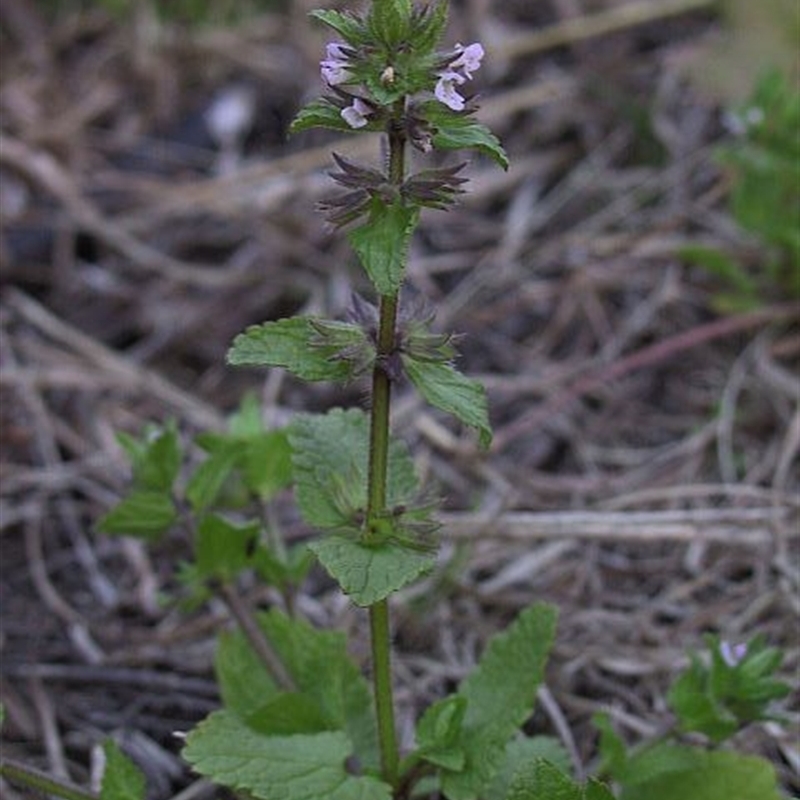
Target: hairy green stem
pixel 380 630
pixel 39 782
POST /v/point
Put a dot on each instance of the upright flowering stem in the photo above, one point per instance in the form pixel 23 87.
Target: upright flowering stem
pixel 378 458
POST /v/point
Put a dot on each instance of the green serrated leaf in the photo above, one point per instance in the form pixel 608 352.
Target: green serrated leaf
pixel 155 457
pixel 675 772
pixel 244 683
pixel 288 343
pixel 369 573
pixel 289 713
pixel 428 27
pixel 246 421
pixel 453 131
pixel 142 513
pixel 389 21
pixel 222 549
pixel 612 749
pixel 347 25
pixel 330 456
pixel 382 243
pixel 541 780
pixel 206 482
pixel 597 791
pixel 320 666
pixel 500 694
pixel 122 779
pixel 319 113
pixel 267 463
pixel 444 387
pixel 717 699
pixel 696 708
pixel 437 733
pixel 283 572
pixel 298 767
pixel 524 750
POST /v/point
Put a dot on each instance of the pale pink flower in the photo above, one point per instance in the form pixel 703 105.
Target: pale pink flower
pixel 732 654
pixel 445 90
pixel 334 67
pixel 356 114
pixel 458 72
pixel 470 59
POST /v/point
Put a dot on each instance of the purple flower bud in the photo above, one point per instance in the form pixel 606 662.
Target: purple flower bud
pixel 732 655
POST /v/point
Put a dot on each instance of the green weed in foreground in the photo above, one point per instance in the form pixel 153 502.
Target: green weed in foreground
pixel 299 721
pixel 764 167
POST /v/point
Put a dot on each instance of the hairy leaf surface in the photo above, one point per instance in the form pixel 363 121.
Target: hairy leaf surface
pixel 369 573
pixel 382 243
pixel 675 772
pixel 145 513
pixel 298 767
pixel 444 387
pixel 453 131
pixel 320 666
pixel 330 459
pixel 541 780
pixel 291 344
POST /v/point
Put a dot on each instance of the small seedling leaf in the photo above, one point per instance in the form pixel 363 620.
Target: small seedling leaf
pixel 204 487
pixel 142 513
pixel 155 457
pixel 223 549
pixel 122 779
pixel 267 463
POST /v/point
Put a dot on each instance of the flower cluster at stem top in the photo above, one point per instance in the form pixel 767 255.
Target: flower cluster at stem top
pixel 453 71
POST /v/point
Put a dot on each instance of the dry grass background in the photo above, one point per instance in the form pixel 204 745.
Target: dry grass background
pixel 644 473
